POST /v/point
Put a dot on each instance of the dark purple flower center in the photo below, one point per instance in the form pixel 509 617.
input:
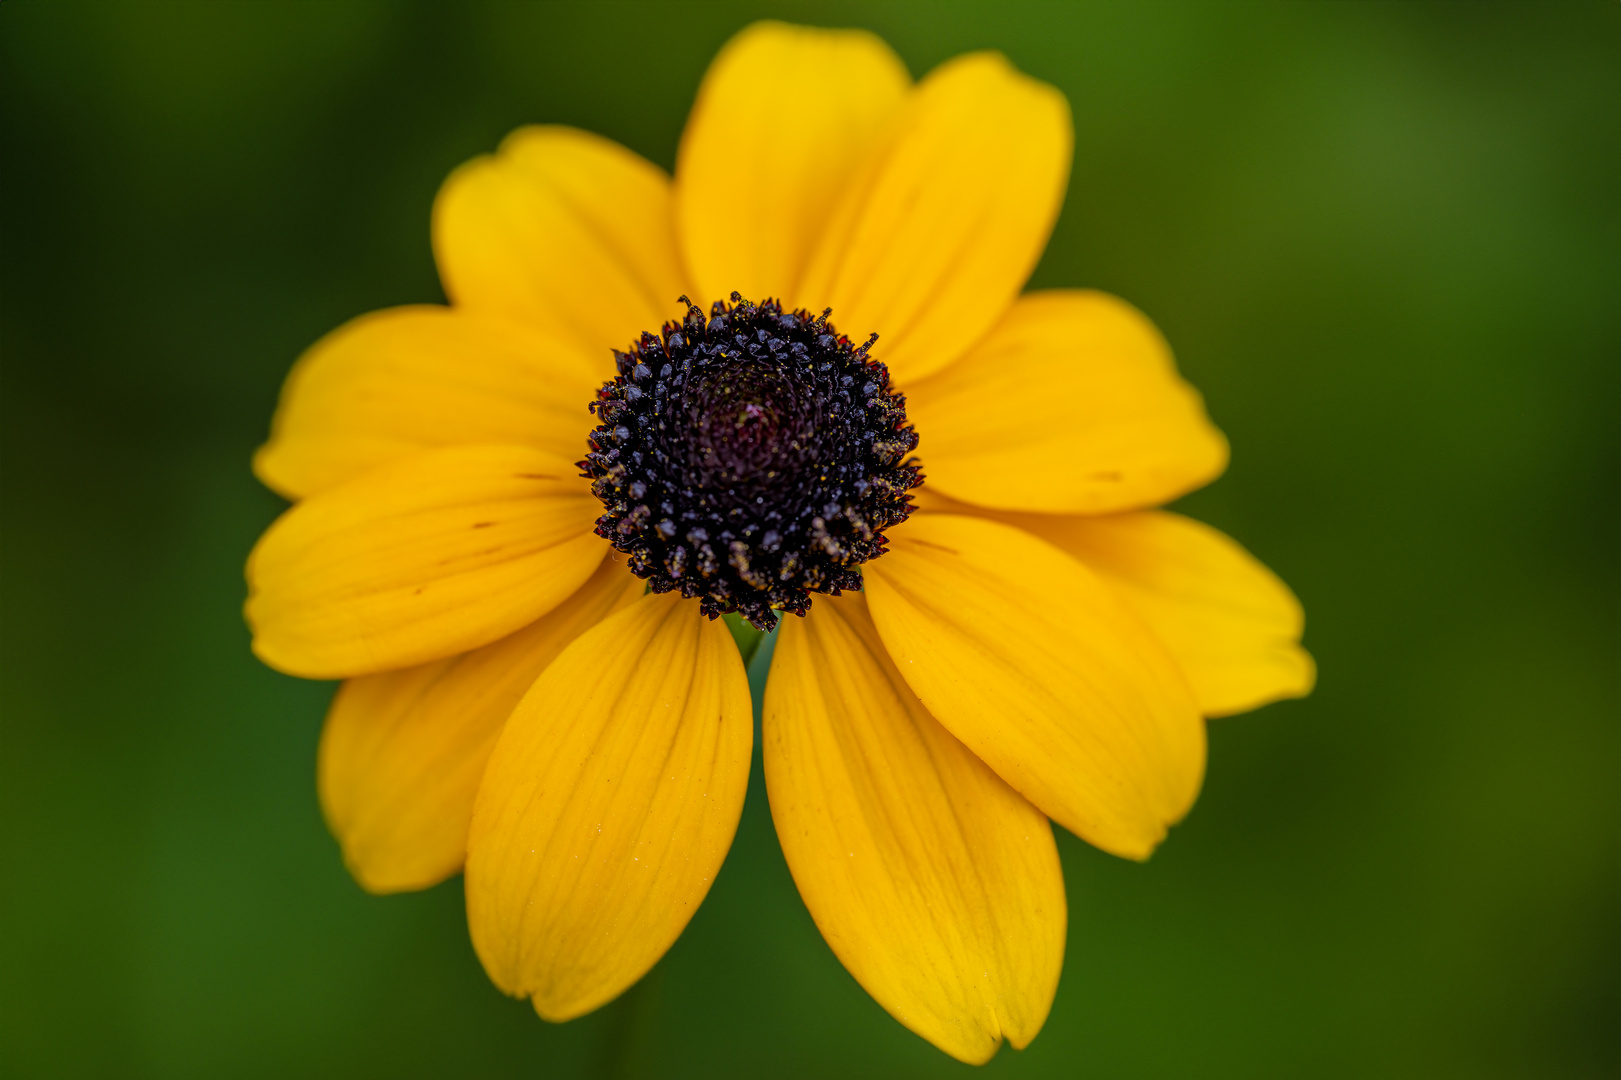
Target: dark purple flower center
pixel 750 458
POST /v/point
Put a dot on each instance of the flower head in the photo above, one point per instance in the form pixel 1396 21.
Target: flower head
pixel 954 489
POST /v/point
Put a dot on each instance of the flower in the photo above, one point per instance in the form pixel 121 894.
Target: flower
pixel 1022 637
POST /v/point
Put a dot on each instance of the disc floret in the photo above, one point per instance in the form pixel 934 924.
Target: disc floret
pixel 750 458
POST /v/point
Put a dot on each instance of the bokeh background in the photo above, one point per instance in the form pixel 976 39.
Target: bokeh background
pixel 1385 241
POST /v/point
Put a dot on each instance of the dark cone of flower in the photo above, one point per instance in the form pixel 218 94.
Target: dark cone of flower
pixel 750 459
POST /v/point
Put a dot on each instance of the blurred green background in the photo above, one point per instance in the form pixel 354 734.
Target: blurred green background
pixel 1385 241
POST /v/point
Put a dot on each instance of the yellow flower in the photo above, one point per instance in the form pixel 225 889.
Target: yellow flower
pixel 1036 642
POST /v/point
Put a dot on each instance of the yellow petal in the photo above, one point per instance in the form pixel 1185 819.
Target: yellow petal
pixel 1229 622
pixel 1071 405
pixel 402 752
pixel 782 118
pixel 565 230
pixel 1029 659
pixel 608 806
pixel 430 556
pixel 950 213
pixel 936 884
pixel 395 382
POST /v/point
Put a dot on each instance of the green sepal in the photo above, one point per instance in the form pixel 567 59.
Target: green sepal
pixel 747 637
